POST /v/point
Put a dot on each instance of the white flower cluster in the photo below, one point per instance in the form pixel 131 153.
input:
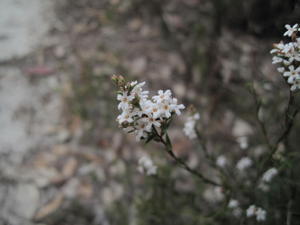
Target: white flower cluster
pixel 221 161
pixel 190 124
pixel 243 163
pixel 269 174
pixel 256 211
pixel 288 56
pixel 214 195
pixel 234 205
pixel 146 166
pixel 139 113
pixel 266 178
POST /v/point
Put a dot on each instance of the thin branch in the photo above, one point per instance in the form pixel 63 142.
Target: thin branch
pixel 209 157
pixel 289 122
pixel 179 161
pixel 259 120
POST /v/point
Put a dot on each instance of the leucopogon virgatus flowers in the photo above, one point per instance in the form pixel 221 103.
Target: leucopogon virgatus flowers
pixel 141 114
pixel 287 55
pixel 146 166
pixel 190 125
pixel 256 211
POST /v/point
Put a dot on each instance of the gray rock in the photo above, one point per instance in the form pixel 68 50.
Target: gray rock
pixel 23 24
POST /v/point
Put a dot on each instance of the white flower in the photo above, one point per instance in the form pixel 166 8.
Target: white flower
pixel 138 90
pixel 251 211
pixel 292 74
pixel 165 109
pixel 288 48
pixel 133 83
pixel 281 69
pixel 276 60
pixel 287 62
pixel 146 166
pixel 146 106
pixel 288 55
pixel 175 107
pixel 260 214
pixel 290 30
pixel 244 163
pixel 155 110
pixel 139 114
pixel 233 204
pixel 162 96
pixel 141 129
pixel 243 142
pixel 125 116
pixel 296 85
pixel 256 211
pixel 189 126
pixel 221 161
pixel 124 99
pixel 150 121
pixel 214 194
pixel 189 129
pixel 269 174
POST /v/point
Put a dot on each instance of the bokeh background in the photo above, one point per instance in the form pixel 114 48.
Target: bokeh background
pixel 63 159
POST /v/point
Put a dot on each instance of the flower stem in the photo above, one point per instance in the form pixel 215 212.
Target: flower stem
pixel 179 161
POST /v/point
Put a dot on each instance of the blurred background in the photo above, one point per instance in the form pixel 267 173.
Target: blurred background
pixel 63 159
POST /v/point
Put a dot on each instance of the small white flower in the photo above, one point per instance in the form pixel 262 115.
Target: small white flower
pixel 141 129
pixel 292 74
pixel 146 166
pixel 146 105
pixel 125 116
pixel 276 60
pixel 189 126
pixel 296 85
pixel 287 62
pixel 138 91
pixel 243 142
pixel 287 48
pixel 189 129
pixel 251 211
pixel 214 194
pixel 175 107
pixel 269 174
pixel 133 83
pixel 124 99
pixel 244 163
pixel 260 214
pixel 233 204
pixel 150 121
pixel 290 30
pixel 165 109
pixel 281 69
pixel 153 109
pixel 221 161
pixel 162 96
pixel 256 211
